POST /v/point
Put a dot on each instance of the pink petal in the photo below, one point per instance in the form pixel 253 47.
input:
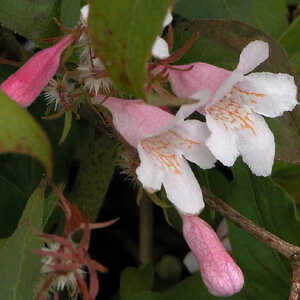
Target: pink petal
pixel 220 273
pixel 135 119
pixel 26 84
pixel 201 77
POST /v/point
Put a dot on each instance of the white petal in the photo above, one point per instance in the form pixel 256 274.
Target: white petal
pixel 257 149
pixel 253 55
pixel 222 141
pixel 197 152
pixel 168 18
pixel 148 173
pixel 84 14
pixel 183 190
pixel 269 94
pixel 226 86
pixel 191 263
pixel 160 48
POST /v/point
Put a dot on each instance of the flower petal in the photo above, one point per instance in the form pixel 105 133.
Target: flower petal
pixel 148 173
pixel 257 149
pixel 191 263
pixel 135 119
pixel 183 190
pixel 195 134
pixel 27 83
pixel 189 79
pixel 160 48
pixel 269 94
pixel 168 18
pixel 222 142
pixel 253 55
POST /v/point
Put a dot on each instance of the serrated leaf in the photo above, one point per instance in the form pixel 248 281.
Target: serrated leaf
pixel 134 281
pixel 220 43
pixel 21 134
pixel 122 34
pixel 20 268
pixel 267 15
pixel 32 19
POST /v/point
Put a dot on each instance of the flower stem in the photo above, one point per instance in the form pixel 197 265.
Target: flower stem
pixel 146 230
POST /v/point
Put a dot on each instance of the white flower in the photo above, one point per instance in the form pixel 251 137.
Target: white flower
pixel 233 113
pixel 164 142
pixel 160 48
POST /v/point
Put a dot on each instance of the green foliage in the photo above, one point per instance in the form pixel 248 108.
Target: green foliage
pixel 123 37
pixel 20 266
pixel 269 206
pixel 220 43
pixel 134 281
pixel 69 12
pixel 191 288
pixel 21 134
pixel 97 164
pixel 32 19
pixel 252 12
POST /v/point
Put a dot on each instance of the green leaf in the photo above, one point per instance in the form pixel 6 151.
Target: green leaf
pixel 21 134
pixel 191 288
pixel 220 43
pixel 290 38
pixel 269 206
pixel 288 176
pixel 295 61
pixel 135 280
pixel 20 266
pixel 97 164
pixel 19 176
pixel 32 19
pixel 122 34
pixel 267 15
pixel 69 12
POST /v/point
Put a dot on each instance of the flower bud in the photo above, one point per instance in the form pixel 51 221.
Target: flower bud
pixel 26 84
pixel 220 273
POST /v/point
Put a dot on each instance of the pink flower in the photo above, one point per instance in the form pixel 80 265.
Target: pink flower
pixel 237 101
pixel 163 142
pixel 219 272
pixel 26 84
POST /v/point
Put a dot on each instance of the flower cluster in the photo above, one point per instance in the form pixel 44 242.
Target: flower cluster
pixel 232 102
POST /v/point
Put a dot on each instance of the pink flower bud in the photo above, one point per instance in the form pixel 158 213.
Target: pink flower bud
pixel 220 273
pixel 26 84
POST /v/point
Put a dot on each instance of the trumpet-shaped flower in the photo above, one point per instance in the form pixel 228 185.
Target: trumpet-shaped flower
pixel 26 84
pixel 163 142
pixel 219 272
pixel 233 112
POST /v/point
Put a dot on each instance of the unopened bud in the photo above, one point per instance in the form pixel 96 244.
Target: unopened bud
pixel 220 273
pixel 26 84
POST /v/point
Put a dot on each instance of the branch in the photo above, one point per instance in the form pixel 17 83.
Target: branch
pixel 286 249
pixel 295 288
